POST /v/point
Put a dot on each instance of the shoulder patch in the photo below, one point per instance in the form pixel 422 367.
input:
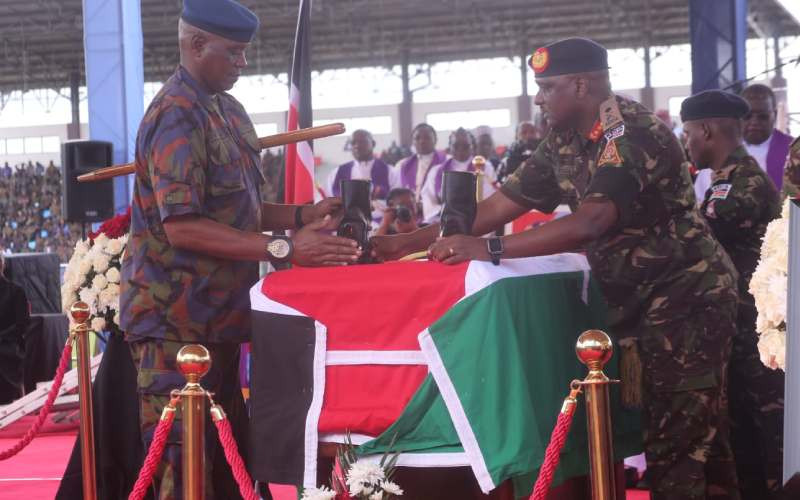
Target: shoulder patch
pixel 610 115
pixel 615 132
pixel 720 191
pixel 610 155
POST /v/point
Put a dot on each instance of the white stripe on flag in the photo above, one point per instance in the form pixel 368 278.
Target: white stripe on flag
pixel 482 274
pixel 306 155
pixel 356 439
pixel 260 302
pixel 424 459
pixel 337 358
pixel 314 411
pixel 294 96
pixel 456 411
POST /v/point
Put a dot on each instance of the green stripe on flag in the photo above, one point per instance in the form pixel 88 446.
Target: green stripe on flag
pixel 506 356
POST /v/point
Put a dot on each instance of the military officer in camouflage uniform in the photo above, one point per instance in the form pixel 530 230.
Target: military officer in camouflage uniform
pixel 740 203
pixel 791 173
pixel 668 283
pixel 196 233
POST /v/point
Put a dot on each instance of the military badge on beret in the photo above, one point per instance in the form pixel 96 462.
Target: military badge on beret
pixel 540 60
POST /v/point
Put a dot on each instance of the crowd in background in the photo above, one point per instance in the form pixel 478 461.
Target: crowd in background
pixel 30 211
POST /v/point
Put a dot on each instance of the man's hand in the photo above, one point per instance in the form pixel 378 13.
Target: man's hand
pixel 389 247
pixel 458 248
pixel 328 206
pixel 314 249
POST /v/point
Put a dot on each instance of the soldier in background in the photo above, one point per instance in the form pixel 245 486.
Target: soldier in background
pixel 196 234
pixel 741 201
pixel 670 287
pixel 791 174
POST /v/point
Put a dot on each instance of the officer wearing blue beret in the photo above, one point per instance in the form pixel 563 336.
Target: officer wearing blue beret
pixel 196 236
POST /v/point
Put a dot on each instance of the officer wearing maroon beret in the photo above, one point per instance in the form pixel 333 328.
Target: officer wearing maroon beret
pixel 669 285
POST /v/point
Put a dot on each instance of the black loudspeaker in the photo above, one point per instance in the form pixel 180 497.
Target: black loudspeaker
pixel 86 201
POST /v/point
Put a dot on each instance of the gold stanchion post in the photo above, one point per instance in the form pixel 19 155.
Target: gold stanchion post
pixel 480 171
pixel 80 315
pixel 594 349
pixel 193 362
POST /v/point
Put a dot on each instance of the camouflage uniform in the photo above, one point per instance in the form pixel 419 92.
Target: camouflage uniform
pixel 667 282
pixel 740 203
pixel 791 173
pixel 195 154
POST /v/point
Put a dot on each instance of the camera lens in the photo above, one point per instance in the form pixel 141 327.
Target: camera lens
pixel 403 214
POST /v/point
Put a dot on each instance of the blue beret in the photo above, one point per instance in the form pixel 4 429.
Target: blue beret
pixel 713 104
pixel 567 57
pixel 226 18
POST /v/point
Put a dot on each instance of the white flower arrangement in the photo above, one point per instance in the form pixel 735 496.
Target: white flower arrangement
pixel 359 479
pixel 93 276
pixel 769 288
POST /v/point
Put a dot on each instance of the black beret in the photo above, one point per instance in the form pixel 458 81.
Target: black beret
pixel 226 18
pixel 713 104
pixel 569 56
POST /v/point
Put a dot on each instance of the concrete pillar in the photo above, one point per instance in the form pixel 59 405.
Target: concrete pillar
pixel 648 96
pixel 74 128
pixel 524 101
pixel 112 35
pixel 405 110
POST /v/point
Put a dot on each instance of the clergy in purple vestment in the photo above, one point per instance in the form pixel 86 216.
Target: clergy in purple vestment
pixel 768 145
pixel 364 166
pixel 410 172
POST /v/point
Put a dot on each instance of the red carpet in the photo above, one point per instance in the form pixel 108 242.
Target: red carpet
pixel 36 471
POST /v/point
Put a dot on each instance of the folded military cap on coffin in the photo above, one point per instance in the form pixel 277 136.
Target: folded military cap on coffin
pixel 713 104
pixel 226 18
pixel 568 56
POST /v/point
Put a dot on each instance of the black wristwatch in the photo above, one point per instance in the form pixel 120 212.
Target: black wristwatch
pixel 280 249
pixel 495 248
pixel 298 217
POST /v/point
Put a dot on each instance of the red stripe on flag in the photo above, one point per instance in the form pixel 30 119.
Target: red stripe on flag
pixel 371 405
pixel 371 307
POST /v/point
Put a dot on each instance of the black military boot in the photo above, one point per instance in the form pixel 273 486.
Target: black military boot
pixel 460 204
pixel 357 219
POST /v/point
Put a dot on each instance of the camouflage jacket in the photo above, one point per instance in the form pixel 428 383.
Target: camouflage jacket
pixel 660 259
pixel 197 154
pixel 791 173
pixel 740 203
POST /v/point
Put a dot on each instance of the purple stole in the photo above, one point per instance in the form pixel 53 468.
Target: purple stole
pixel 776 157
pixel 379 175
pixel 446 167
pixel 408 170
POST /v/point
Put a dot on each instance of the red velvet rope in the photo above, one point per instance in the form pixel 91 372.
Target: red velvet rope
pixel 553 453
pixel 234 459
pixel 154 453
pixel 48 405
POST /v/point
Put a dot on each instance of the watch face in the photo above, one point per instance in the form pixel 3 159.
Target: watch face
pixel 279 248
pixel 495 245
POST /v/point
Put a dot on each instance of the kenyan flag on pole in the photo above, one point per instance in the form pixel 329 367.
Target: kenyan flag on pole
pixel 463 365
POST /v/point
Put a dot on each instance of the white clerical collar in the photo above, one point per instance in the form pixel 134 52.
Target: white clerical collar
pixel 424 157
pixel 464 164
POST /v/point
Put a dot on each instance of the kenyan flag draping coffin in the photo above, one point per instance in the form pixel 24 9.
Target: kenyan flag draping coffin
pixel 463 365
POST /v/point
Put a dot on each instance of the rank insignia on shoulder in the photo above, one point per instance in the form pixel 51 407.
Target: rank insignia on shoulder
pixel 720 191
pixel 610 155
pixel 615 132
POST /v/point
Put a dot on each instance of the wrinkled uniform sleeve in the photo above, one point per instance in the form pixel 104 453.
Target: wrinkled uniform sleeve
pixel 621 175
pixel 177 163
pixel 534 184
pixel 737 205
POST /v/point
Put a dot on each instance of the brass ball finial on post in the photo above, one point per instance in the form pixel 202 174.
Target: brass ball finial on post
pixel 594 349
pixel 193 362
pixel 479 162
pixel 81 313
